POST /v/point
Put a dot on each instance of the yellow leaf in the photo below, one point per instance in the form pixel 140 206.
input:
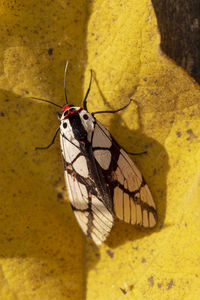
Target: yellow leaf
pixel 43 253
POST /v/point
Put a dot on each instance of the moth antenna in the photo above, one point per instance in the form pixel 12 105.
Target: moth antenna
pixel 44 100
pixel 87 93
pixel 65 82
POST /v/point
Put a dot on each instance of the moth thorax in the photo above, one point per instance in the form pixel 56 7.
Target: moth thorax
pixel 79 131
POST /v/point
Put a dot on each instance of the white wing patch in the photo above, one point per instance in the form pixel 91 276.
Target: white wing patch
pixel 133 213
pixel 118 203
pixel 103 213
pixel 82 218
pixel 100 139
pixel 119 176
pixel 103 157
pixel 107 133
pixel 73 150
pixel 147 197
pixel 80 166
pixel 83 190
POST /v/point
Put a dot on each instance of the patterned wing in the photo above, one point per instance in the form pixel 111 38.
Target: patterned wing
pixel 132 199
pixel 91 211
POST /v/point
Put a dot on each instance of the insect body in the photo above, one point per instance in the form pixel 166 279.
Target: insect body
pixel 103 182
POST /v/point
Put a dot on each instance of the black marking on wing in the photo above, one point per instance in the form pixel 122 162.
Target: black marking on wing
pixel 79 209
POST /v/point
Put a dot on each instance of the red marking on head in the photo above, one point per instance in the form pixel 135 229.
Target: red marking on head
pixel 67 107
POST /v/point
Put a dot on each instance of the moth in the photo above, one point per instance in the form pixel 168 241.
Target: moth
pixel 103 182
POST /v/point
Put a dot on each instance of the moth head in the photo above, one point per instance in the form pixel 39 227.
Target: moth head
pixel 69 110
pixel 76 123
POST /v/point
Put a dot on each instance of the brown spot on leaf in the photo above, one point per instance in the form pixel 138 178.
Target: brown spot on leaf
pixel 110 253
pixel 191 135
pixel 50 51
pixel 127 289
pixel 9 239
pixel 135 248
pixel 60 196
pixel 123 291
pixel 170 284
pixel 151 281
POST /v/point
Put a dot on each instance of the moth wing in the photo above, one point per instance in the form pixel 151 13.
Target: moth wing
pixel 132 199
pixel 92 215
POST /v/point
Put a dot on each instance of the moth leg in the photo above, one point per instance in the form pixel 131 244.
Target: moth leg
pixel 85 99
pixel 112 111
pixel 52 142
